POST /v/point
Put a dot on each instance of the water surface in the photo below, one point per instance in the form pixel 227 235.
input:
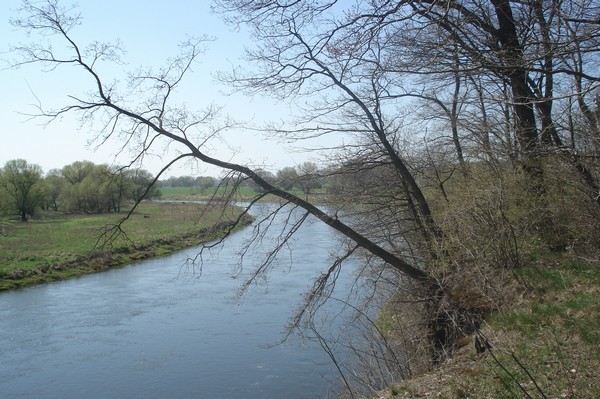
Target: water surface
pixel 147 330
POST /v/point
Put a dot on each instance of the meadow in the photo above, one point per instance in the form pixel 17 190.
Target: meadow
pixel 56 246
pixel 242 193
pixel 196 193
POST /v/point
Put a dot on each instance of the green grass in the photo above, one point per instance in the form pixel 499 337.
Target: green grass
pixel 545 343
pixel 59 246
pixel 196 193
pixel 170 191
pixel 553 339
pixel 243 193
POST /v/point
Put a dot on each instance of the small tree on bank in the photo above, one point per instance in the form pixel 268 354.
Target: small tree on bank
pixel 22 183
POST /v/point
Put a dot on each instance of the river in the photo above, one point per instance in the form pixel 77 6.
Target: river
pixel 151 330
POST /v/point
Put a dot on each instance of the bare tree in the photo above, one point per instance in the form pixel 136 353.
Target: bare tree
pixel 355 67
pixel 153 120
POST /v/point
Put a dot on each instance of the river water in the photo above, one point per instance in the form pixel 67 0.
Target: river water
pixel 150 330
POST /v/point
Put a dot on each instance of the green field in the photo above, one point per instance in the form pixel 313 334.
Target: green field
pixel 199 193
pixel 54 246
pixel 243 193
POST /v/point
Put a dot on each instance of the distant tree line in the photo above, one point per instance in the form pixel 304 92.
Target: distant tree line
pixel 81 187
pixel 85 187
pixel 305 177
pixel 189 181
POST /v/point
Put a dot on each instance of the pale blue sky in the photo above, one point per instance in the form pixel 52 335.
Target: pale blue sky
pixel 149 32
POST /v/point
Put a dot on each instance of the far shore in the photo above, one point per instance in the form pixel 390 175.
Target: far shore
pixel 58 247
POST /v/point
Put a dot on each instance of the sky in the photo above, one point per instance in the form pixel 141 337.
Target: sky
pixel 149 32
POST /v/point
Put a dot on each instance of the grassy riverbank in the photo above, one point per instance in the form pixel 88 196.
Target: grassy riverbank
pixel 545 344
pixel 53 247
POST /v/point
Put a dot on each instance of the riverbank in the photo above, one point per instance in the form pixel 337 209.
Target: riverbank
pixel 55 247
pixel 544 343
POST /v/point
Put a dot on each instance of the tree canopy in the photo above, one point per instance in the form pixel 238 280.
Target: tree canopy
pixel 21 182
pixel 79 187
